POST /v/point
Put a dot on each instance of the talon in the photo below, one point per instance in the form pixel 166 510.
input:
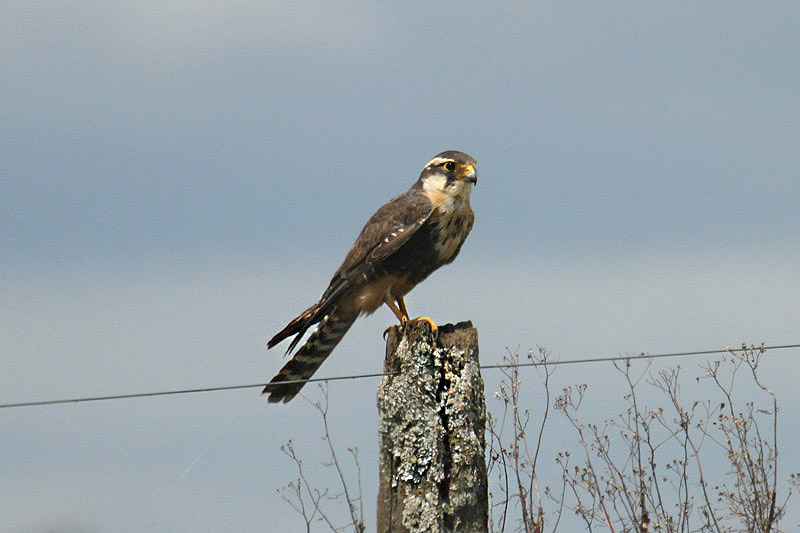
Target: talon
pixel 431 323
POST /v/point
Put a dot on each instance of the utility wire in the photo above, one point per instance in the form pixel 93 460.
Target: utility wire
pixel 181 391
pixel 641 355
pixel 597 359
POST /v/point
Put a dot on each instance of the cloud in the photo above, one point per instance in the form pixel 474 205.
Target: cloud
pixel 154 33
pixel 132 329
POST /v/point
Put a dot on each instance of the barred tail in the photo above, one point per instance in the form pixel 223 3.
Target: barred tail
pixel 309 357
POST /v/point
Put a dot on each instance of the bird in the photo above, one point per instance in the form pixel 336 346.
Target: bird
pixel 407 238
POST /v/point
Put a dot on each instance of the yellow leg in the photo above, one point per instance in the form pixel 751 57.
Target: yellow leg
pixel 402 305
pixel 401 315
pixel 400 311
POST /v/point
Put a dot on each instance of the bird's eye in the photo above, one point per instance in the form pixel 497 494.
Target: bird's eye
pixel 449 166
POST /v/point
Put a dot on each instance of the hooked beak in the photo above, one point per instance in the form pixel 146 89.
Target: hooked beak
pixel 470 174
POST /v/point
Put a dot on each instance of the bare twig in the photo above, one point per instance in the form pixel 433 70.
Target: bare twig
pixel 515 460
pixel 353 503
pixel 307 500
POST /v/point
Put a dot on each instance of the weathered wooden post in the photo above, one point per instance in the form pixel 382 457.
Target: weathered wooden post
pixel 432 432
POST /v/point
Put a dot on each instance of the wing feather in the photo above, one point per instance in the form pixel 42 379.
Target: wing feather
pixel 384 233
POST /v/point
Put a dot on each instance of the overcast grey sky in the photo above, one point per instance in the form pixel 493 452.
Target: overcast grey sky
pixel 179 179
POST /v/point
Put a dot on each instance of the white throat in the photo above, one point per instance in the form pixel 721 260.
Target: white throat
pixel 439 192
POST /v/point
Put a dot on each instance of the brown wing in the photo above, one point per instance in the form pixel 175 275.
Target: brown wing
pixel 385 232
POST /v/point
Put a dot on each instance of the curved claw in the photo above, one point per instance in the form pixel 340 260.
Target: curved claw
pixel 431 323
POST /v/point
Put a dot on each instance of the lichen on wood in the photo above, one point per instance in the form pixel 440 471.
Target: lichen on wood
pixel 432 431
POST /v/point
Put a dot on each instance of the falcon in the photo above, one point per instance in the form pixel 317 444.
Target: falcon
pixel 401 244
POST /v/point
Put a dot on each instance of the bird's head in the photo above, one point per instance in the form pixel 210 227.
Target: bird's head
pixel 452 173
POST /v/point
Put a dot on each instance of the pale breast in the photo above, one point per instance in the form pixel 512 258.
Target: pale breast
pixel 453 224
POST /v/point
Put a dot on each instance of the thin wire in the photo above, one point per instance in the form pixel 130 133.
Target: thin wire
pixel 181 391
pixel 597 359
pixel 641 355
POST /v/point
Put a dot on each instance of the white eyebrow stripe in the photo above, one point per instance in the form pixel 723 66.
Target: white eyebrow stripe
pixel 438 161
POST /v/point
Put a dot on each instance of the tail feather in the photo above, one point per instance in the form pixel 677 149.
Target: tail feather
pixel 309 357
pixel 296 327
